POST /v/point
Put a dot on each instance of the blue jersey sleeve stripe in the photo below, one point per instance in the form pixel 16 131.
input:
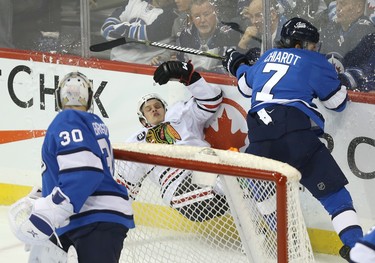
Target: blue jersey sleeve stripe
pixel 79 159
pixel 99 193
pixel 106 202
pixel 336 99
pixel 91 212
pixel 80 169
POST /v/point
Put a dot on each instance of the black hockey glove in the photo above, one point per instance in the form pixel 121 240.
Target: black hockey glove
pixel 183 71
pixel 233 59
pixel 252 55
pixel 354 79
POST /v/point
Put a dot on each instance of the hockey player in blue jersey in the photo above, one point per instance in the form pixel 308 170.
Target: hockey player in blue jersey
pixel 284 123
pixel 82 205
pixel 364 249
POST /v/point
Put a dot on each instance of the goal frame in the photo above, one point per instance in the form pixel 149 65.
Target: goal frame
pixel 277 177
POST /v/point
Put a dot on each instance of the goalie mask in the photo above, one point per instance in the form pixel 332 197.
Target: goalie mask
pixel 75 89
pixel 142 101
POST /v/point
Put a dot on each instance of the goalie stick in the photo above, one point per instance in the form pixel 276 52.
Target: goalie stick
pixel 121 41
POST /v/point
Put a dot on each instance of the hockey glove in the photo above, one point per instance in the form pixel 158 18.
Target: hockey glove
pixel 354 79
pixel 233 59
pixel 183 71
pixel 49 213
pixel 252 55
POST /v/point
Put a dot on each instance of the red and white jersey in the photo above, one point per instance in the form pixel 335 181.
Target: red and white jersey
pixel 184 124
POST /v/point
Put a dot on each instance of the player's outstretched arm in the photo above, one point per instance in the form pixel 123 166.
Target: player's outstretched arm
pixel 183 71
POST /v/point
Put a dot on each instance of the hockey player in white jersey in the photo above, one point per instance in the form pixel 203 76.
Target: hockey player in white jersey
pixel 81 204
pixel 182 124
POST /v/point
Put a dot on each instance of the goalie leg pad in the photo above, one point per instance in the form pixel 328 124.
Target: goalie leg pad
pixel 48 253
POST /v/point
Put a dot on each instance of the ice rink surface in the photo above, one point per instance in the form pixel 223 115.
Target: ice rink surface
pixel 12 250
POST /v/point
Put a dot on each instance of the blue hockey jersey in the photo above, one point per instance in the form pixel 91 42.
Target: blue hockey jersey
pixel 77 157
pixel 292 77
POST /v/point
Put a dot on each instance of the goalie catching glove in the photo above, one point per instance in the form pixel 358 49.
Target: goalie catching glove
pixel 47 214
pixel 183 71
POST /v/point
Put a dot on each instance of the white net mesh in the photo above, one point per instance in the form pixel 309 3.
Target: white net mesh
pixel 243 219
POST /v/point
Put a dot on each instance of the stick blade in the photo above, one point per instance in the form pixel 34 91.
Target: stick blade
pixel 107 45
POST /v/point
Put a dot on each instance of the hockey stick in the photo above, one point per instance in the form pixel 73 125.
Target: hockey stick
pixel 236 27
pixel 121 41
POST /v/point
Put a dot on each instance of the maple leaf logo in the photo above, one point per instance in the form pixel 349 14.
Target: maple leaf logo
pixel 223 138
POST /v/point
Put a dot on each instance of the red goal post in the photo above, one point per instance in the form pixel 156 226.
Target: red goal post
pixel 291 241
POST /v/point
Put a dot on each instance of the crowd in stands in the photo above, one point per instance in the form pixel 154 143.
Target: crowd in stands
pixel 346 32
pixel 346 27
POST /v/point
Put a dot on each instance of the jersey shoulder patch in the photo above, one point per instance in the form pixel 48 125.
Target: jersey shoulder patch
pixel 141 136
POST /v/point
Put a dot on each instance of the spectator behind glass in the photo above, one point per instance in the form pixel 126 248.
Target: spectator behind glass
pixel 140 19
pixel 314 10
pixel 359 64
pixel 180 23
pixel 206 34
pixel 253 34
pixel 371 10
pixel 6 23
pixel 239 17
pixel 37 24
pixel 340 39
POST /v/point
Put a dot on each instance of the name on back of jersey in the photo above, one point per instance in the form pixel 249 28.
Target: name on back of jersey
pixel 282 57
pixel 100 128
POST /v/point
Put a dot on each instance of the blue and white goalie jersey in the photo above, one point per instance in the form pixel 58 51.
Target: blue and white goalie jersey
pixel 77 157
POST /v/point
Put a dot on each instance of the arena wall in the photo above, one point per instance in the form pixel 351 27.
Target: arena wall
pixel 28 80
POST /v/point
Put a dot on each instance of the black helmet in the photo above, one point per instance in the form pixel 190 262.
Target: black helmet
pixel 298 30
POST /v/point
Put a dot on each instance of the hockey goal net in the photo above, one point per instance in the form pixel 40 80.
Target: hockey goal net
pixel 263 222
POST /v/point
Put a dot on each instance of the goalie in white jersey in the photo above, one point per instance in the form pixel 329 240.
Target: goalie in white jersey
pixel 182 124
